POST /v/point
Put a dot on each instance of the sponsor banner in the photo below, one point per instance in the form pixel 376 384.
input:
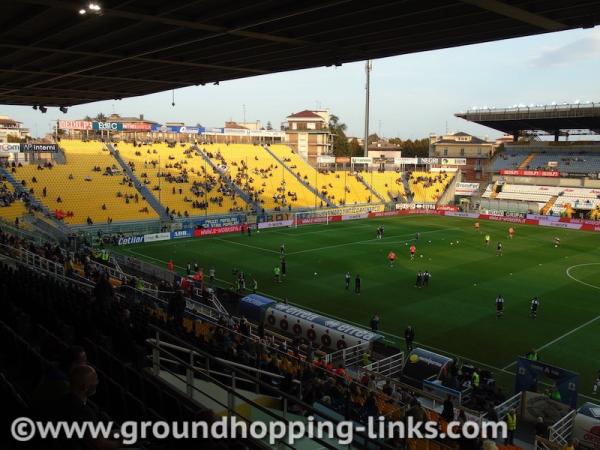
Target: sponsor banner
pixel 153 237
pixel 400 161
pixel 137 126
pixel 586 426
pixel 38 148
pixel 447 208
pixel 530 173
pixel 74 125
pixel 10 148
pixel 157 128
pixel 127 240
pixel 217 230
pixel 236 131
pixel 462 214
pixel 361 160
pixel 407 206
pixel 384 214
pixel 181 234
pixel 541 217
pixel 552 164
pixel 342 159
pixel 508 219
pixel 211 130
pixel 429 161
pixel 581 221
pixel 326 159
pixel 107 126
pixel 454 161
pixel 275 224
pixel 317 319
pixel 319 219
pixel 549 223
pixel 467 189
pixel 218 222
pixel 355 216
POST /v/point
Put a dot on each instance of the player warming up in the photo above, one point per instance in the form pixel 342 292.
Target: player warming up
pixel 556 242
pixel 391 258
pixel 487 240
pixel 499 306
pixel 535 304
pixel 413 250
pixel 511 232
pixel 477 226
pixel 499 249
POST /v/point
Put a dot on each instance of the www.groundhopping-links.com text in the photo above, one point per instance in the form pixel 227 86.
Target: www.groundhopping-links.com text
pixel 25 429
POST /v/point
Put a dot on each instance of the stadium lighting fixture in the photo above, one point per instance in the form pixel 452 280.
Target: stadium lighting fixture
pixel 43 109
pixel 94 7
pixel 63 109
pixel 35 107
pixel 82 11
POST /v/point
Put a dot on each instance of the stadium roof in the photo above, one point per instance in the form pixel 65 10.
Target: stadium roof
pixel 54 56
pixel 552 119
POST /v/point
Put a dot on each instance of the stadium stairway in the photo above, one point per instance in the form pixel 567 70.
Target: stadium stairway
pixel 243 195
pixel 53 226
pixel 526 161
pixel 142 189
pixel 406 184
pixel 549 204
pixel 370 188
pixel 309 186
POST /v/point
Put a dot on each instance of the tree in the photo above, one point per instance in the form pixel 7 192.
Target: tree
pixel 340 140
pixel 100 117
pixel 355 149
pixel 373 138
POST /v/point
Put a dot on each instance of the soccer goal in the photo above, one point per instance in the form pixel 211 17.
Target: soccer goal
pixel 310 217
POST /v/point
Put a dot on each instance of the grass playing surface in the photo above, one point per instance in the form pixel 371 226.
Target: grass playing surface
pixel 456 313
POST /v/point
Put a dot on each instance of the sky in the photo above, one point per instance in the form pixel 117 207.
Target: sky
pixel 411 95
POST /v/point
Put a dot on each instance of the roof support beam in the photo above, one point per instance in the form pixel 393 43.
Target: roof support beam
pixel 519 14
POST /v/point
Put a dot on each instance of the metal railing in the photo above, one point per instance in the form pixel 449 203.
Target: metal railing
pixel 560 432
pixel 349 356
pixel 234 396
pixel 513 402
pixel 389 366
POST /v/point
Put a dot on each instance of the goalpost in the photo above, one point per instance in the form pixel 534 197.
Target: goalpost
pixel 310 217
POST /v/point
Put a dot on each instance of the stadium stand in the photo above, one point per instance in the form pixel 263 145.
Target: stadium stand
pixel 260 175
pixel 509 159
pixel 90 186
pixel 568 162
pixel 428 186
pixel 12 208
pixel 180 179
pixel 388 184
pixel 565 198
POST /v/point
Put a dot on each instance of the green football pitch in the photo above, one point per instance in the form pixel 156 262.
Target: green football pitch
pixel 456 313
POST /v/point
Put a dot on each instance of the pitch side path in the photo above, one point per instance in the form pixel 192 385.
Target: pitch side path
pixel 456 312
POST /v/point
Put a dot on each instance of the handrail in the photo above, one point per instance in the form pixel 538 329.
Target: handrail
pixel 232 393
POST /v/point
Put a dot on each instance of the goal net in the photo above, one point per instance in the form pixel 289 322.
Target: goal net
pixel 310 218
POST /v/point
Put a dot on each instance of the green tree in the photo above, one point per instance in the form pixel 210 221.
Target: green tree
pixel 354 148
pixel 340 140
pixel 373 138
pixel 100 117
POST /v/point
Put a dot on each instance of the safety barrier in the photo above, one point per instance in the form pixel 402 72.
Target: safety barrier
pixel 560 432
pixel 389 366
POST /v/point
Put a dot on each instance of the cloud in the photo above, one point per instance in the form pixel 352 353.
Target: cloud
pixel 578 50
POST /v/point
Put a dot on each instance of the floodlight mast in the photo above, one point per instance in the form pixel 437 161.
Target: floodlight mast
pixel 368 68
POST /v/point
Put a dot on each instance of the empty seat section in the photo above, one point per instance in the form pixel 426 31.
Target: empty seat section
pixel 388 184
pixel 181 179
pixel 261 176
pixel 90 184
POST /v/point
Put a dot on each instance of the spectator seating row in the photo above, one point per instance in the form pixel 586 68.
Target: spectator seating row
pixel 428 186
pixel 11 207
pixel 90 185
pixel 387 184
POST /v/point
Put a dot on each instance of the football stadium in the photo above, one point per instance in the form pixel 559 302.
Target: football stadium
pixel 168 274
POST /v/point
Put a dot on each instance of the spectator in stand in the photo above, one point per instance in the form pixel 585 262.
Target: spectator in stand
pixel 409 337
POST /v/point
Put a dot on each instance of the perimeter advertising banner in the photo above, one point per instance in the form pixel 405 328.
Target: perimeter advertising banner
pixel 75 125
pixel 219 222
pixel 107 126
pixel 530 173
pixel 467 189
pixel 454 161
pixel 10 148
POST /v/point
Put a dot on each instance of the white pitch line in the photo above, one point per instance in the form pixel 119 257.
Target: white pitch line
pixel 554 341
pixel 246 245
pixel 367 241
pixel 568 271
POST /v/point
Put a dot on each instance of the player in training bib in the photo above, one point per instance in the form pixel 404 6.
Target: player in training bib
pixel 499 306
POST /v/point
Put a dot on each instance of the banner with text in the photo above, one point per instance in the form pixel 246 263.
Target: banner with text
pixel 467 189
pixel 530 173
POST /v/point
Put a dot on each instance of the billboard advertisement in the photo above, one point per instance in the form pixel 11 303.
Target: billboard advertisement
pixel 454 161
pixel 530 173
pixel 182 234
pixel 136 126
pixel 217 222
pixel 400 161
pixel 429 161
pixel 199 232
pixel 467 189
pixel 361 160
pixel 107 126
pixel 154 237
pixel 38 148
pixel 342 159
pixel 10 148
pixel 74 125
pixel 326 159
